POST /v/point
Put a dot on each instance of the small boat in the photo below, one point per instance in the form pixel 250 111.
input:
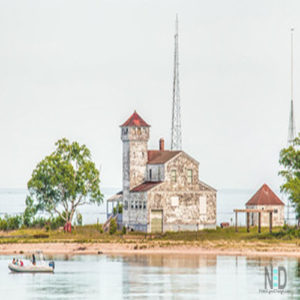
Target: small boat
pixel 33 266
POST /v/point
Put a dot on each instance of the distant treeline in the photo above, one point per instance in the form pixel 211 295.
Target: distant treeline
pixel 19 221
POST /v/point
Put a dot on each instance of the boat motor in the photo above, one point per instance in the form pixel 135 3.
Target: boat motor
pixel 52 264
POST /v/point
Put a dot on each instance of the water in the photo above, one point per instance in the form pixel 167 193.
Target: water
pixel 12 201
pixel 150 277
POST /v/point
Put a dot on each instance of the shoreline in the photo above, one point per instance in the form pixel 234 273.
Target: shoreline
pixel 131 249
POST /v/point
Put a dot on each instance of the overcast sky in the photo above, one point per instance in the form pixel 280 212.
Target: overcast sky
pixel 78 69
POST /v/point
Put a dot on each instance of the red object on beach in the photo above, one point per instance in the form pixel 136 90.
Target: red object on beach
pixel 68 227
pixel 224 224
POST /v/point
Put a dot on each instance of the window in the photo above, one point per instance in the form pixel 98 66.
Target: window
pixel 140 204
pixel 202 200
pixel 136 204
pixel 132 206
pixel 126 205
pixel 275 211
pixel 144 204
pixel 150 174
pixel 139 131
pixel 190 176
pixel 173 176
pixel 158 173
pixel 174 201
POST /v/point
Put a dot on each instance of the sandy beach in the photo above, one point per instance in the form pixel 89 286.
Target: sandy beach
pixel 118 248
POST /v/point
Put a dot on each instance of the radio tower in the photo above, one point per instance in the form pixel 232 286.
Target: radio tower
pixel 292 127
pixel 176 115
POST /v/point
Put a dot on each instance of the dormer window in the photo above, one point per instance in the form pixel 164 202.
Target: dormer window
pixel 150 174
pixel 173 176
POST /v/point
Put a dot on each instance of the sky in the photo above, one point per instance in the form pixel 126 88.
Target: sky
pixel 78 69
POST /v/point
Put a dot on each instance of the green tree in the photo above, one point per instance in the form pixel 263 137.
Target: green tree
pixel 29 213
pixel 64 180
pixel 290 161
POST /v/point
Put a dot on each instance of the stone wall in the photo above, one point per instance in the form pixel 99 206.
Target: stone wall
pixel 181 200
pixel 135 155
pixel 278 218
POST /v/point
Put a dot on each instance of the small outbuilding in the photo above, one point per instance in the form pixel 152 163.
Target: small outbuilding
pixel 266 199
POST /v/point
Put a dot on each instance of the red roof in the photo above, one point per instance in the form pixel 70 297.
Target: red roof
pixel 145 186
pixel 265 196
pixel 160 157
pixel 136 121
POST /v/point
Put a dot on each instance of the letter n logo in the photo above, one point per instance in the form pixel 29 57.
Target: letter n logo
pixel 269 277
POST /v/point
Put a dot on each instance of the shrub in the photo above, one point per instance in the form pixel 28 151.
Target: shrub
pixel 100 228
pixel 124 230
pixel 3 224
pixel 113 226
pixel 115 211
pixel 79 219
pixel 13 222
pixel 56 222
pixel 120 208
pixel 39 222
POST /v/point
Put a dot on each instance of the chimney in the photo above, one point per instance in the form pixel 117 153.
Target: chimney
pixel 161 144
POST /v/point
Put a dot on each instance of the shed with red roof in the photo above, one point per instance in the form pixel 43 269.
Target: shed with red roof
pixel 265 198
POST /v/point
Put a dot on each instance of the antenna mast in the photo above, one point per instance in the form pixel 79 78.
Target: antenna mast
pixel 176 142
pixel 292 127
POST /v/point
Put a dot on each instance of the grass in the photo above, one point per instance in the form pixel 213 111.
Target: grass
pixel 91 234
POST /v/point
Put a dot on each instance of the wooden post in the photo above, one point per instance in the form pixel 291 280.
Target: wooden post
pixel 248 222
pixel 270 221
pixel 259 222
pixel 236 221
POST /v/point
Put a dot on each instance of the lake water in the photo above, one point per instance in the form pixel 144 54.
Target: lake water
pixel 12 201
pixel 151 277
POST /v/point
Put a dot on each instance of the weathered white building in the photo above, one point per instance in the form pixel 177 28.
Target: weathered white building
pixel 161 189
pixel 266 199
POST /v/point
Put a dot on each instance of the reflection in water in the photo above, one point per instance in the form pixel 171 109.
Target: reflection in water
pixel 153 275
pixel 149 276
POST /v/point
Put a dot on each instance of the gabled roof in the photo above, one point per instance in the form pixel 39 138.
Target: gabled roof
pixel 265 196
pixel 145 186
pixel 115 197
pixel 135 121
pixel 160 157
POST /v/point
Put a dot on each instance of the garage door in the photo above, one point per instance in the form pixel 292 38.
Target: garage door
pixel 156 220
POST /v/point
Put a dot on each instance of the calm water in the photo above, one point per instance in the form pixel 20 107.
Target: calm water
pixel 12 201
pixel 150 277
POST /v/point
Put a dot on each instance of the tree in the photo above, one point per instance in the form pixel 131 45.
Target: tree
pixel 290 160
pixel 64 180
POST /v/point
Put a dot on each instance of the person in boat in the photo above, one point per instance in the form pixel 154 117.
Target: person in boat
pixel 33 259
pixel 21 263
pixel 14 261
pixel 17 262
